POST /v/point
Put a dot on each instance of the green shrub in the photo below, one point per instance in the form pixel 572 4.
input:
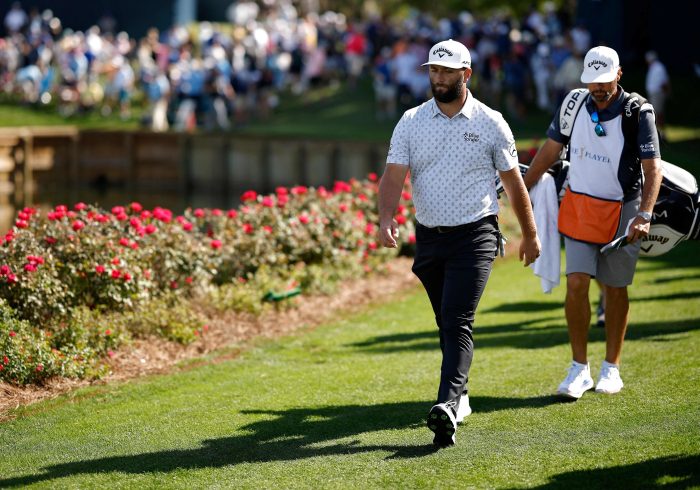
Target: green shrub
pixel 171 318
pixel 31 355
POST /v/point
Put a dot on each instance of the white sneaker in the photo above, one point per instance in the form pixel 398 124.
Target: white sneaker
pixel 609 381
pixel 577 382
pixel 464 409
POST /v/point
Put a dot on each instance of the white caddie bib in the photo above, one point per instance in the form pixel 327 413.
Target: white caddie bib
pixel 594 159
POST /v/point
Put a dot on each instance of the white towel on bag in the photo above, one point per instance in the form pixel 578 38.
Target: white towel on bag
pixel 545 204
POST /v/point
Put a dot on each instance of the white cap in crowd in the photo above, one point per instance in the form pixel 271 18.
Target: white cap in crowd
pixel 600 65
pixel 451 54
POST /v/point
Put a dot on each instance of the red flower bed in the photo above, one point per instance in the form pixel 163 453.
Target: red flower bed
pixel 64 270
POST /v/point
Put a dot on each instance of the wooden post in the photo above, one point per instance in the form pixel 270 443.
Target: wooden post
pixel 373 155
pixel 302 159
pixel 9 150
pixel 265 166
pixel 73 164
pixel 130 153
pixel 335 163
pixel 186 162
pixel 225 170
pixel 27 182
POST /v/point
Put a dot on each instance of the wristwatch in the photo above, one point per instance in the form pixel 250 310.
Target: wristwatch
pixel 646 216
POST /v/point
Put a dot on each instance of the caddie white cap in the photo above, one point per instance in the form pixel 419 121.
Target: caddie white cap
pixel 451 54
pixel 600 65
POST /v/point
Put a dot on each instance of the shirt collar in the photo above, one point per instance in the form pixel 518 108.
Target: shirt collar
pixel 467 109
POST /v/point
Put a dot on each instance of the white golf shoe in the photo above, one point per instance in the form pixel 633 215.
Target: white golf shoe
pixel 464 409
pixel 609 381
pixel 441 420
pixel 577 381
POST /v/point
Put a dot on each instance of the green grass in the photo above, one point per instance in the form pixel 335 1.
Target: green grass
pixel 343 405
pixel 12 115
pixel 333 112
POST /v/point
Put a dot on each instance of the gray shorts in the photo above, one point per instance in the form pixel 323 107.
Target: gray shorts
pixel 615 269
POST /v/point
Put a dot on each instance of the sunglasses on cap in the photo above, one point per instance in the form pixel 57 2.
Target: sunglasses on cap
pixel 599 129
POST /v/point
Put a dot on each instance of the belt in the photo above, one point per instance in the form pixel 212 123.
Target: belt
pixel 450 229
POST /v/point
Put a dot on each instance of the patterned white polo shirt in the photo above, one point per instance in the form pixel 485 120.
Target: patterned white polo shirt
pixel 453 161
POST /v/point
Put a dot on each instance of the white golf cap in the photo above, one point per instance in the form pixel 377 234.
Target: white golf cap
pixel 600 65
pixel 451 54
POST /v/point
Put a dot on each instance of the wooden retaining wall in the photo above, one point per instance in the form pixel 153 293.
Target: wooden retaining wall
pixel 43 157
pixel 35 161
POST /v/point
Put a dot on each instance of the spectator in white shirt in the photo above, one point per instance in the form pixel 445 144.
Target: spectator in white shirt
pixel 658 87
pixel 15 19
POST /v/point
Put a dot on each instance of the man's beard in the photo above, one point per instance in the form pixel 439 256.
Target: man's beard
pixel 452 93
pixel 602 96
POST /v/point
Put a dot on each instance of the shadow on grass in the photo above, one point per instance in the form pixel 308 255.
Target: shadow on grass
pixel 284 435
pixel 515 336
pixel 670 472
pixel 426 340
pixel 668 297
pixel 524 307
pixel 487 404
pixel 687 277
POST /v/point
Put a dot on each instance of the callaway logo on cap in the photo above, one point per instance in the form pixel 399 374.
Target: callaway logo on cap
pixel 600 65
pixel 451 54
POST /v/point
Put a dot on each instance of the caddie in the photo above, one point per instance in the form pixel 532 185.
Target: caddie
pixel 611 140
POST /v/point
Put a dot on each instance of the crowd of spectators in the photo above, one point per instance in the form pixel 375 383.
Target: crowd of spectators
pixel 218 75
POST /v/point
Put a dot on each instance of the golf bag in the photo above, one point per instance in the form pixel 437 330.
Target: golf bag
pixel 676 215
